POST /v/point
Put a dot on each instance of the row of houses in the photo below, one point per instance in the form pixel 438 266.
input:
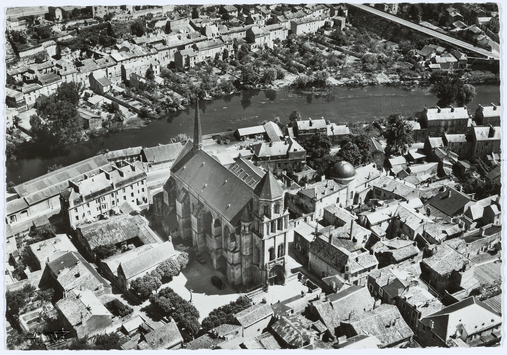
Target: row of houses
pixel 89 189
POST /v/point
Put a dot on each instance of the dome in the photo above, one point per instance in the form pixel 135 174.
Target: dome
pixel 343 172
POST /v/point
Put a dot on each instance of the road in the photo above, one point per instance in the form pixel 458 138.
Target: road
pixel 429 32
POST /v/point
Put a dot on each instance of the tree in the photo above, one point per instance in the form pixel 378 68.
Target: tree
pixel 398 135
pixel 224 314
pixel 293 117
pixel 40 233
pixel 466 94
pixel 248 75
pixel 355 149
pixel 105 251
pixel 109 341
pixel 69 92
pixel 270 75
pixel 144 286
pixel 138 28
pixel 150 74
pixel 18 36
pixel 450 89
pixel 317 146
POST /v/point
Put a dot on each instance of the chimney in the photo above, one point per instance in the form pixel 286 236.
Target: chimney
pixel 494 106
pixel 452 108
pixel 449 193
pixel 323 177
pixel 351 228
pixel 491 133
pixel 432 324
pixel 439 109
pixel 311 123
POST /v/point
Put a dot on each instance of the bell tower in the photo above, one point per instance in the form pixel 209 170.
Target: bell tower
pixel 271 222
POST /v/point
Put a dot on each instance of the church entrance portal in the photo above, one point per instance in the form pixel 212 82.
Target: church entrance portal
pixel 276 275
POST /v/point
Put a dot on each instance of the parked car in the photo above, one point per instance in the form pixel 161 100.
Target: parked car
pixel 217 282
pixel 200 259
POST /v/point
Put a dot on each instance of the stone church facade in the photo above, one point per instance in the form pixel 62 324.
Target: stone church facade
pixel 244 229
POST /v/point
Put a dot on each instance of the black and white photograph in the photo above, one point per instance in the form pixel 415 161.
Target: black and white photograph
pixel 313 176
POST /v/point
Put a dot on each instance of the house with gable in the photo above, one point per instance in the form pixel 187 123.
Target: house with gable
pixel 468 323
pixel 384 322
pixel 83 313
pixel 254 320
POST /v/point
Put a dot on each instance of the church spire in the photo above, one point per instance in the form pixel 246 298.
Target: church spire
pixel 197 128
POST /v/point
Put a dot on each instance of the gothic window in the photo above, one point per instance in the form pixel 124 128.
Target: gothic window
pixel 277 208
pixel 232 242
pixel 271 254
pixel 266 210
pixel 280 224
pixel 281 250
pixel 273 227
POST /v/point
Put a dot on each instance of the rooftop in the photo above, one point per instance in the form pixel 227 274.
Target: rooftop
pixel 384 322
pixel 226 192
pixel 254 314
pixel 81 305
pixel 446 260
pixel 72 272
pixel 138 264
pixel 471 314
pixel 116 230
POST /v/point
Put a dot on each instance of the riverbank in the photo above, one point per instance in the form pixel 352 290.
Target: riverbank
pixel 250 108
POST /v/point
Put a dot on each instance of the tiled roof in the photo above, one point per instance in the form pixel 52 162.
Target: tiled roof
pixel 273 131
pixel 321 189
pixel 450 202
pixel 447 113
pixel 162 153
pixel 16 205
pixel 355 299
pixel 336 257
pixel 51 184
pixel 268 341
pixel 72 271
pixel 289 333
pixel 456 138
pixel 247 171
pixel 495 303
pixel 254 314
pixel 436 142
pixel 81 305
pixel 149 259
pixel 422 300
pixel 116 230
pixel 491 111
pixel 384 322
pixel 269 188
pixel 247 131
pixel 227 193
pixel 446 260
pixel 203 342
pixel 167 336
pixel 305 125
pixel 473 315
pixel 49 248
pixel 327 315
pixel 487 133
pixel 340 213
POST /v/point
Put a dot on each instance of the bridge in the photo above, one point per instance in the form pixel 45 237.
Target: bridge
pixel 429 32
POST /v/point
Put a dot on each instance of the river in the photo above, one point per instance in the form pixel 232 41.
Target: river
pixel 250 108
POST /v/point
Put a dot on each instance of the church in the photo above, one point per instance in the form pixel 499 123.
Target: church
pixel 239 219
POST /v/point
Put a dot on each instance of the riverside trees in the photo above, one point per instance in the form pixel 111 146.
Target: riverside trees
pixel 57 122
